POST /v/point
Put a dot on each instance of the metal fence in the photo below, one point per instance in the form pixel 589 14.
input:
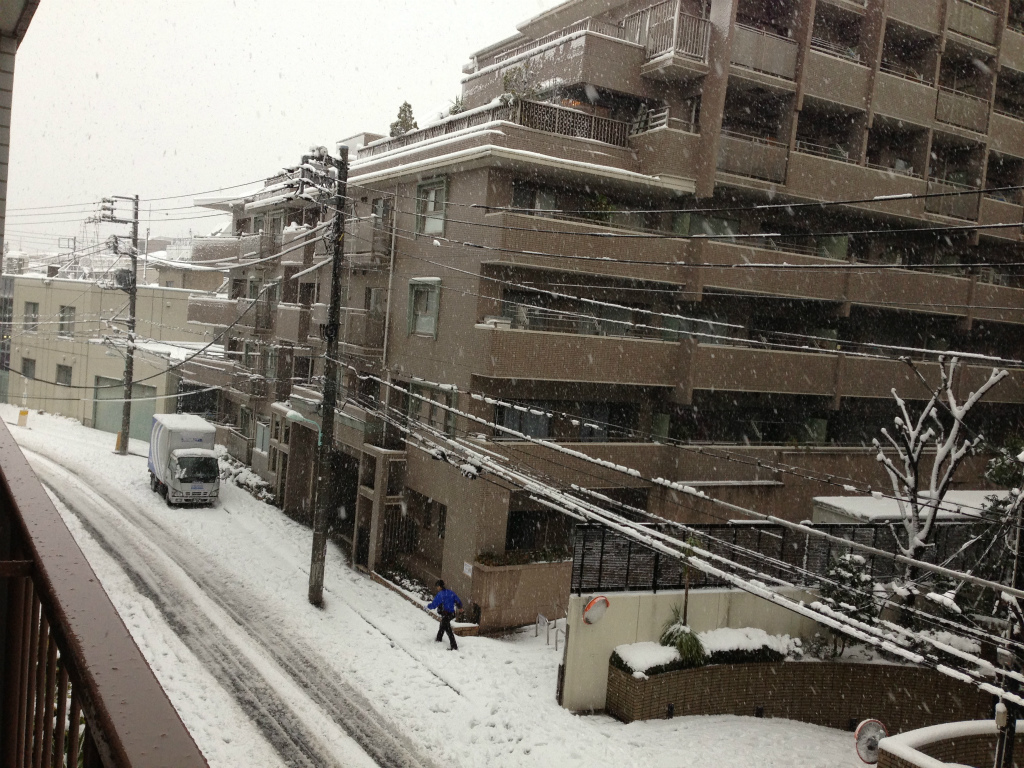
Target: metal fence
pixel 607 561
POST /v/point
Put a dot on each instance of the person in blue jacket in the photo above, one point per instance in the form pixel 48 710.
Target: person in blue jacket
pixel 445 600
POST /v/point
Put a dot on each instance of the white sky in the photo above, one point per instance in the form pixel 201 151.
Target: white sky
pixel 163 98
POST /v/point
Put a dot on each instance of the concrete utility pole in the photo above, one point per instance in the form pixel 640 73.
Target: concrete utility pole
pixel 129 358
pixel 325 452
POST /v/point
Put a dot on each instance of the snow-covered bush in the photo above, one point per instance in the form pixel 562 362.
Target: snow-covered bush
pixel 748 645
pixel 236 472
pixel 644 659
pixel 679 636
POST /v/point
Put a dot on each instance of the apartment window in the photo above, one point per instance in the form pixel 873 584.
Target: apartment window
pixel 31 323
pixel 276 225
pixel 248 354
pixel 424 301
pixel 257 224
pixel 254 289
pixel 275 432
pixel 66 321
pixel 430 203
pixel 245 421
pixel 64 375
pixel 28 367
pixel 271 372
pixel 432 407
pixel 262 442
pixel 237 288
pixel 442 520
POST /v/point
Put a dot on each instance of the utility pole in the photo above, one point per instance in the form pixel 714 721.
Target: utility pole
pixel 108 214
pixel 325 452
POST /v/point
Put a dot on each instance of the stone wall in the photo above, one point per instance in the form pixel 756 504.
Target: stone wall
pixel 833 694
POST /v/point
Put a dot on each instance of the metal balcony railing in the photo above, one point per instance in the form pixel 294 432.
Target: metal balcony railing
pixel 77 690
pixel 832 151
pixel 542 116
pixel 836 49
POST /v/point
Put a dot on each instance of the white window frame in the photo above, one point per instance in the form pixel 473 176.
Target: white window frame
pixel 431 202
pixel 423 320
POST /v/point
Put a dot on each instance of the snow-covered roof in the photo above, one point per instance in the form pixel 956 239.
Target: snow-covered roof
pixel 194 453
pixel 183 421
pixel 957 505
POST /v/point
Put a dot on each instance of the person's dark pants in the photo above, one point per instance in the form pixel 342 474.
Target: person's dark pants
pixel 446 626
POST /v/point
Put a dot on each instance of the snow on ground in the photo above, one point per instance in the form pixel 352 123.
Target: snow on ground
pixel 242 567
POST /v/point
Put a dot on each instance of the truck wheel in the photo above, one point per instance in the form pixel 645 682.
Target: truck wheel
pixel 153 482
pixel 161 489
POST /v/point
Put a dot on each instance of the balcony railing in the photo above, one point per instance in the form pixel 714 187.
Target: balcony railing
pixel 77 689
pixel 905 71
pixel 586 25
pixel 973 20
pixel 962 109
pixel 832 152
pixel 903 169
pixel 961 206
pixel 529 114
pixel 752 156
pixel 764 51
pixel 835 49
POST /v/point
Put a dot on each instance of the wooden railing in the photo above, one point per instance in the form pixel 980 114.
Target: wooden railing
pixel 77 691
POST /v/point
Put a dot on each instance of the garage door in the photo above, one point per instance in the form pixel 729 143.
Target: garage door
pixel 106 413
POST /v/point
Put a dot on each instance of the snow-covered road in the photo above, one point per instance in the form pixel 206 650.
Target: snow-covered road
pixel 216 600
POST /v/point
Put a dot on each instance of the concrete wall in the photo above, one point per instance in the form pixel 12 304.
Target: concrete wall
pixel 633 617
pixel 513 595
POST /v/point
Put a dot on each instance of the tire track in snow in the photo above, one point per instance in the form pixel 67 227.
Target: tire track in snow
pixel 282 727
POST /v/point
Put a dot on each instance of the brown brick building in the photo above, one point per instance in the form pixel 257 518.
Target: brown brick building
pixel 472 261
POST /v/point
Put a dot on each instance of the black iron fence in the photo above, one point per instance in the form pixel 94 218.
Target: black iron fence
pixel 607 561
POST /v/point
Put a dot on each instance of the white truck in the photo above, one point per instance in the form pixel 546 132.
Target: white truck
pixel 182 464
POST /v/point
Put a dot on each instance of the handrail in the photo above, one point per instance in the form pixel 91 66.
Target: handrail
pixel 834 49
pixel 899 70
pixel 909 172
pixel 832 153
pixel 69 655
pixel 965 94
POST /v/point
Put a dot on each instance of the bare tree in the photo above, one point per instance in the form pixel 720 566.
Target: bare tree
pixel 919 491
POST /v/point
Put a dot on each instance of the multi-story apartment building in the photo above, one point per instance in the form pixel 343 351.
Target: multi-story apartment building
pixel 65 340
pixel 620 257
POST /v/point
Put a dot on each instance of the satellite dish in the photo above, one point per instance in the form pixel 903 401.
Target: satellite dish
pixel 867 736
pixel 595 609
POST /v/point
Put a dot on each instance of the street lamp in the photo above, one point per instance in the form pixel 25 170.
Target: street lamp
pixel 295 416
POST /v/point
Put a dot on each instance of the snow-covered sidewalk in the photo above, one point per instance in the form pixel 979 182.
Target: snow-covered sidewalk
pixel 241 568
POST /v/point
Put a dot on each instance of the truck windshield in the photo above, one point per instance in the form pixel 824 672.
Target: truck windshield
pixel 197 469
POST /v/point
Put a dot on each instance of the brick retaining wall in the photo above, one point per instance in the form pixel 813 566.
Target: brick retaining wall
pixel 832 694
pixel 977 748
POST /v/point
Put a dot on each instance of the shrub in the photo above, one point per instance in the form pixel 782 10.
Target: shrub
pixel 679 636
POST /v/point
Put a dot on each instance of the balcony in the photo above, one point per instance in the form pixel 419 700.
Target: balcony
pixel 763 52
pixel 209 310
pixel 550 118
pixel 960 206
pixel 824 68
pixel 618 32
pixel 688 366
pixel 1006 134
pixel 1001 211
pixel 752 156
pixel 676 42
pixel 962 109
pixel 921 14
pixel 1011 50
pixel 238 445
pixel 903 96
pixel 209 372
pixel 972 20
pixel 69 660
pixel 292 323
pixel 363 329
pixel 611 360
